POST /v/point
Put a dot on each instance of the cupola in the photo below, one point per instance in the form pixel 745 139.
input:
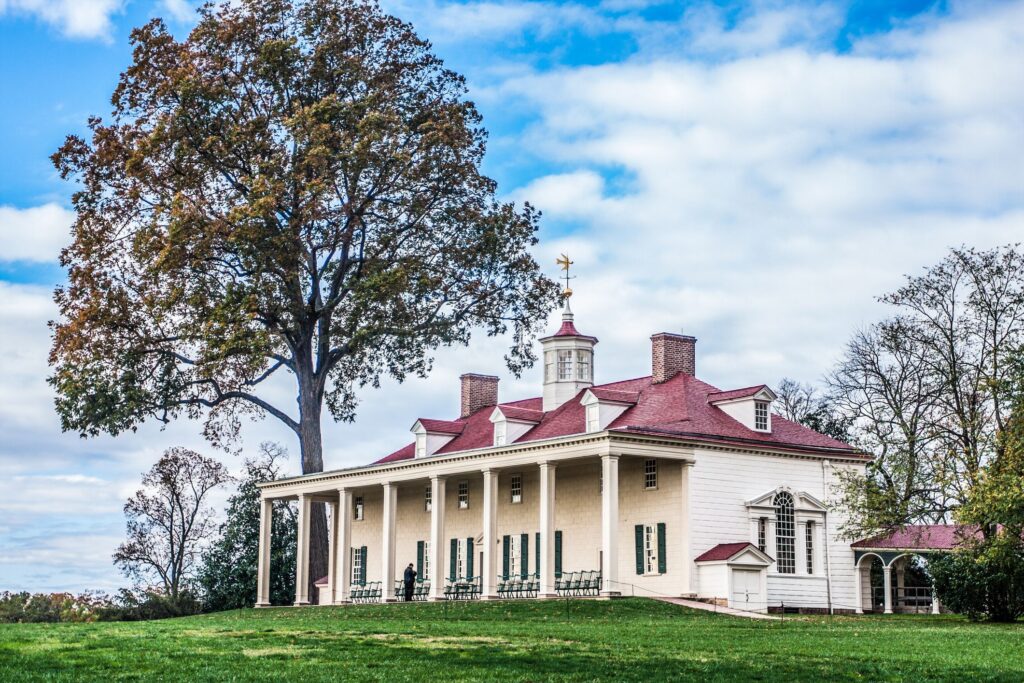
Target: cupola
pixel 568 362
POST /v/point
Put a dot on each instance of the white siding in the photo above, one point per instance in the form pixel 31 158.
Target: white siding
pixel 721 483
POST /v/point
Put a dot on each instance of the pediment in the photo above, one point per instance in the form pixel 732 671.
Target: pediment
pixel 802 501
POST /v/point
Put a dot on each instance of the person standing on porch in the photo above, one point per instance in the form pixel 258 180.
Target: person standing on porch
pixel 410 582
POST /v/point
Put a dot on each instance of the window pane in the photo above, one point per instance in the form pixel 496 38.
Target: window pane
pixel 785 534
pixel 809 540
pixel 565 364
pixel 650 474
pixel 583 365
pixel 761 415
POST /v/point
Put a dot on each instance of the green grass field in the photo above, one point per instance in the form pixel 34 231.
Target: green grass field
pixel 629 639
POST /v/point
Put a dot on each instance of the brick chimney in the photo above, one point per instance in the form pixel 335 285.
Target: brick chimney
pixel 478 391
pixel 672 354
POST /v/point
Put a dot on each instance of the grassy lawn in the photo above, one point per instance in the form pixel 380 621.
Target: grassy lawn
pixel 630 639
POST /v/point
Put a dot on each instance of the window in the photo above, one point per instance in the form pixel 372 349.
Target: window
pixel 593 418
pixel 357 508
pixel 426 561
pixel 583 365
pixel 513 555
pixel 565 364
pixel 761 416
pixel 500 433
pixel 650 474
pixel 650 549
pixel 762 534
pixel 463 495
pixel 357 566
pixel 428 499
pixel 549 366
pixel 809 541
pixel 460 558
pixel 785 534
pixel 517 488
pixel 421 445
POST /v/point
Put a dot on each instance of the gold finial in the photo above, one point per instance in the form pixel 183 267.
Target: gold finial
pixel 564 262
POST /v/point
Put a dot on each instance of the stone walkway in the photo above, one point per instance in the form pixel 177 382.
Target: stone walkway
pixel 696 604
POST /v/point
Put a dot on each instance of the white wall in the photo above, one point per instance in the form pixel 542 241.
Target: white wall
pixel 721 482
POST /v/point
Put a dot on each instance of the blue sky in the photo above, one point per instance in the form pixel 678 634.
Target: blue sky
pixel 754 174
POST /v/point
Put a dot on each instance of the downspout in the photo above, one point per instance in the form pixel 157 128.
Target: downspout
pixel 825 464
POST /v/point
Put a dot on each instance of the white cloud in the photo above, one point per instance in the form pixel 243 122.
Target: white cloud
pixel 75 18
pixel 34 234
pixel 179 10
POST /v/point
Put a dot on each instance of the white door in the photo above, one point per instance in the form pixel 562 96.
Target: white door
pixel 746 590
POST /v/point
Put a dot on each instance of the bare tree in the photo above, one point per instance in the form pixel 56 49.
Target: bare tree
pixel 924 388
pixel 169 521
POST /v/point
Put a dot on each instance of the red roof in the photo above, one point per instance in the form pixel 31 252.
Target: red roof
pixel 723 551
pixel 717 396
pixel 922 537
pixel 615 396
pixel 522 414
pixel 677 408
pixel 442 426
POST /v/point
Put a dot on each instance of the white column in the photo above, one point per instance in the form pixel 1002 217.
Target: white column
pixel 887 588
pixel 263 561
pixel 437 544
pixel 343 548
pixel 610 525
pixel 302 551
pixel 858 574
pixel 547 531
pixel 489 569
pixel 685 531
pixel 387 555
pixel 332 543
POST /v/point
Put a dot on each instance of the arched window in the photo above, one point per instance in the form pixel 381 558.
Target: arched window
pixel 785 533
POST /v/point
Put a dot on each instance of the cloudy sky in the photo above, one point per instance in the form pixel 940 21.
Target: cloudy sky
pixel 753 174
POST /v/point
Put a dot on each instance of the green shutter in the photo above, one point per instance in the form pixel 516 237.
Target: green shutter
pixel 362 568
pixel 453 559
pixel 639 529
pixel 505 543
pixel 558 554
pixel 524 564
pixel 469 558
pixel 536 559
pixel 661 548
pixel 419 560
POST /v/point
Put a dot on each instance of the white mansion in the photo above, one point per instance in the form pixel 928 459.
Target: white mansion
pixel 657 486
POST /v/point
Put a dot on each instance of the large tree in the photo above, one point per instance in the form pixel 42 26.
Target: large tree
pixel 169 521
pixel 925 389
pixel 294 189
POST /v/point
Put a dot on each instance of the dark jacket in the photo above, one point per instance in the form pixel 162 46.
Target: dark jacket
pixel 410 574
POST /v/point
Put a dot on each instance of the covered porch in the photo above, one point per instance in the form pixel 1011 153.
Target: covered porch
pixel 891 570
pixel 526 522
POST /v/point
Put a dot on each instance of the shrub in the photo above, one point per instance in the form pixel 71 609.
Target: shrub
pixel 984 580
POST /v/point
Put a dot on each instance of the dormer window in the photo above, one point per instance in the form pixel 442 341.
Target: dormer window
pixel 751 407
pixel 421 445
pixel 761 416
pixel 604 405
pixel 500 433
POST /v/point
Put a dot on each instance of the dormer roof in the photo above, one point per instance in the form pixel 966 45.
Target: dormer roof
pixel 613 395
pixel 518 414
pixel 760 391
pixel 439 426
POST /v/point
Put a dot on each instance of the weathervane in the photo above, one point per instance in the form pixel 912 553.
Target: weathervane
pixel 564 261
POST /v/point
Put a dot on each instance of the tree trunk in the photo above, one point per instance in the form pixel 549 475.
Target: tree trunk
pixel 311 443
